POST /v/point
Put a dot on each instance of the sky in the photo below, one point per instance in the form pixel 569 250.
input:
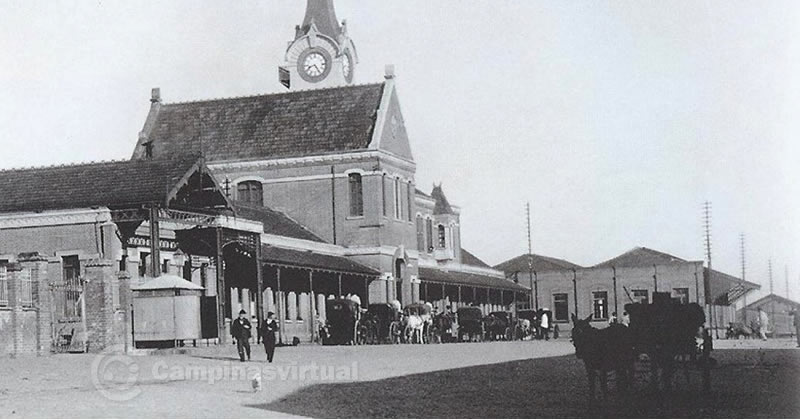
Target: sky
pixel 615 120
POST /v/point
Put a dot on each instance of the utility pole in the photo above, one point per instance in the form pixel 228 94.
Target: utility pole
pixel 744 296
pixel 771 291
pixel 707 284
pixel 786 273
pixel 534 285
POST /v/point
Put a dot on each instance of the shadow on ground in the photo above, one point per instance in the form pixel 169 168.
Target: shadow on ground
pixel 747 383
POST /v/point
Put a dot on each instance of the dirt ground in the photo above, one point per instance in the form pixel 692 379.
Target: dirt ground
pixel 472 380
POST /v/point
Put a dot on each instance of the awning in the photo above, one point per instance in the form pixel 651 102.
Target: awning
pixel 460 278
pixel 165 282
pixel 311 260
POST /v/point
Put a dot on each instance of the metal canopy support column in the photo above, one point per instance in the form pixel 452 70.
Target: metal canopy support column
pixel 444 294
pixel 366 291
pixel 425 288
pixel 340 284
pixel 220 288
pixel 279 306
pixel 155 243
pixel 655 278
pixel 575 290
pixel 536 289
pixel 614 279
pixel 259 284
pixel 459 294
pixel 474 295
pixel 313 299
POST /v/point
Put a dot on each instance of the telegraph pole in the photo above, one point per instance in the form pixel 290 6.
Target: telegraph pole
pixel 744 296
pixel 707 284
pixel 534 284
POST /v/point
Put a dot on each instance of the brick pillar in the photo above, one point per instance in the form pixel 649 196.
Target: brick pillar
pixel 13 274
pixel 98 294
pixel 42 301
pixel 126 305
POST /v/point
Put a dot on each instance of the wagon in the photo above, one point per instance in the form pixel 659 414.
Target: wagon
pixel 341 324
pixel 470 324
pixel 498 326
pixel 672 335
pixel 382 323
pixel 422 311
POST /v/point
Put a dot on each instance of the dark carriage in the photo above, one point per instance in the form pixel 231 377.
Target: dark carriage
pixel 341 323
pixel 498 326
pixel 522 331
pixel 673 336
pixel 470 324
pixel 381 324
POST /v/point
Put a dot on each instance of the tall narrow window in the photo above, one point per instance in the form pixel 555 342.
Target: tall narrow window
pixel 250 192
pixel 3 286
pixel 72 286
pixel 429 234
pixel 561 306
pixel 384 196
pixel 442 237
pixel 356 195
pixel 410 198
pixel 397 206
pixel 600 305
pixel 143 256
pixel 420 234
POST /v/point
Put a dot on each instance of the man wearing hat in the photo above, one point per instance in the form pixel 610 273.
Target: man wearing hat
pixel 240 330
pixel 268 329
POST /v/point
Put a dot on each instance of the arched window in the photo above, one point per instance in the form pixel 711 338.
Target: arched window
pixel 442 237
pixel 250 192
pixel 356 195
pixel 420 234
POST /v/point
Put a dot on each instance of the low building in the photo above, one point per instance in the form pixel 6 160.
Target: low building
pixel 779 312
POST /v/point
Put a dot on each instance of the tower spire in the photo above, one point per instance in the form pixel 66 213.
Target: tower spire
pixel 321 14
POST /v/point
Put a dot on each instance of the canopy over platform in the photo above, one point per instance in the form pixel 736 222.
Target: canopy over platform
pixel 460 278
pixel 312 260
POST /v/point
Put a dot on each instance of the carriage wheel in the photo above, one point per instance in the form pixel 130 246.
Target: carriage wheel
pixel 509 334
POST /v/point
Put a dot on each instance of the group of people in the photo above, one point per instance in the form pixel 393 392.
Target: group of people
pixel 625 320
pixel 241 331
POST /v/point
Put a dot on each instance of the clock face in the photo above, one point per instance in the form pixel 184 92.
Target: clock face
pixel 314 64
pixel 347 67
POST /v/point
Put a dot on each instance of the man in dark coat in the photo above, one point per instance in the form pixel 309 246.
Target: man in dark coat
pixel 240 330
pixel 268 329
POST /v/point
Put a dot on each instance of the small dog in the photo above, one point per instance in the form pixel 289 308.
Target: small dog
pixel 256 382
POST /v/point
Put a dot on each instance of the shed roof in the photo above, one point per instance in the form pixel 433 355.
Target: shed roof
pixel 313 260
pixel 468 279
pixel 468 258
pixel 540 263
pixel 639 257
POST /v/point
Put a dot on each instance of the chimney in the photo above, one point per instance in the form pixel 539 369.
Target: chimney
pixel 155 95
pixel 389 72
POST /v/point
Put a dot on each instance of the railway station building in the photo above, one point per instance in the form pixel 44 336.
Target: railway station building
pixel 271 202
pixel 601 290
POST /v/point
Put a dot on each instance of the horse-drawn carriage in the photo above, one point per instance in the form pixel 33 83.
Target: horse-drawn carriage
pixel 498 326
pixel 418 323
pixel 470 324
pixel 661 336
pixel 382 323
pixel 526 324
pixel 341 323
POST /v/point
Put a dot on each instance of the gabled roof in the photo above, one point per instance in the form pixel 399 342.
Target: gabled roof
pixel 422 193
pixel 103 184
pixel 308 259
pixel 771 297
pixel 639 257
pixel 468 279
pixel 540 263
pixel 291 124
pixel 442 205
pixel 275 222
pixel 468 258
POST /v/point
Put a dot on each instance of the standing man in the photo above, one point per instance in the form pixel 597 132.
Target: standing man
pixel 240 330
pixel 796 319
pixel 268 329
pixel 763 321
pixel 545 324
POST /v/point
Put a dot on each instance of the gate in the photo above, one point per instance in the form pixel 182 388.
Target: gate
pixel 68 316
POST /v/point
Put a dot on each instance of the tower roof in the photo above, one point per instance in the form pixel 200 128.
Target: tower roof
pixel 321 14
pixel 442 205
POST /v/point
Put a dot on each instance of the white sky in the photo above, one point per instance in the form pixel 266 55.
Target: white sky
pixel 616 120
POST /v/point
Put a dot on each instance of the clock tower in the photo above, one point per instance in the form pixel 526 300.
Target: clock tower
pixel 322 54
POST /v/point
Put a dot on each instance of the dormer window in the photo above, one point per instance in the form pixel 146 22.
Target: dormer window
pixel 250 192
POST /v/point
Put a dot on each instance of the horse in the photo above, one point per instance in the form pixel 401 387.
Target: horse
pixel 443 327
pixel 414 326
pixel 603 351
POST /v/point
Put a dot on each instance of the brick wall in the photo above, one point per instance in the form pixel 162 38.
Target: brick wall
pixel 24 327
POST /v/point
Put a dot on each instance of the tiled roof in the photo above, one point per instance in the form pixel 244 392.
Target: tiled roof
pixel 107 184
pixel 442 205
pixel 639 257
pixel 275 222
pixel 468 279
pixel 309 259
pixel 469 258
pixel 540 263
pixel 301 123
